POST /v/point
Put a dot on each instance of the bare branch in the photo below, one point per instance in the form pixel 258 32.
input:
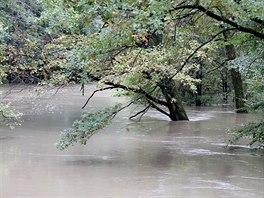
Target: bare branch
pixel 102 89
pixel 135 59
pixel 142 112
pixel 122 108
pixel 60 87
pixel 220 64
pixel 220 18
pixel 82 89
pixel 158 108
pixel 139 91
pixel 13 87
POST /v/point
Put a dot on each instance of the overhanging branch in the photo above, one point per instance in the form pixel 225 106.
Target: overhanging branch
pixel 158 108
pixel 220 18
pixel 142 112
pixel 139 91
pixel 102 89
pixel 232 23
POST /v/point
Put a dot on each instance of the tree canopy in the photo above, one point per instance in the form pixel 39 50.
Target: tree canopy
pixel 160 53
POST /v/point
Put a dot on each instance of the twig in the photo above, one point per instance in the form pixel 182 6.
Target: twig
pixel 122 108
pixel 82 89
pixel 13 87
pixel 57 90
pixel 135 59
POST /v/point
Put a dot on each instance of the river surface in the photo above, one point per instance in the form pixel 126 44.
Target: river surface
pixel 151 158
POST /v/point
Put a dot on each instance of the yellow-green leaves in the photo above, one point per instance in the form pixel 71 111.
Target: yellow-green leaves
pixel 142 66
pixel 84 128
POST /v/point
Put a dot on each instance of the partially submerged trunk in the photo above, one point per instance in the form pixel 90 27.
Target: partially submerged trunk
pixel 175 107
pixel 198 95
pixel 236 81
pixel 238 88
pixel 169 89
pixel 170 92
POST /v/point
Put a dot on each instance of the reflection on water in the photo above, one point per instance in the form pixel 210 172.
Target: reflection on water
pixel 152 158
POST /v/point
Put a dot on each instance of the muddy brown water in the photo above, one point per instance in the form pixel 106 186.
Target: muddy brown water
pixel 151 158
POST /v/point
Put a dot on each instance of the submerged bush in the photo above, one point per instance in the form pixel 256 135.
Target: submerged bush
pixel 252 131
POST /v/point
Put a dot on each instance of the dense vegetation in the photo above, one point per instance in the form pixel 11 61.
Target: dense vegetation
pixel 160 53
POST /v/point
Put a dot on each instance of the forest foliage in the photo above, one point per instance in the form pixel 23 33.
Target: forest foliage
pixel 163 54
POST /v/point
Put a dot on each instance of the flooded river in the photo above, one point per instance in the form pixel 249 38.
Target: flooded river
pixel 151 158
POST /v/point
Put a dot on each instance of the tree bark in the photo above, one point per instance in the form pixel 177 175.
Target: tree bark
pixel 236 81
pixel 175 107
pixel 198 95
pixel 238 88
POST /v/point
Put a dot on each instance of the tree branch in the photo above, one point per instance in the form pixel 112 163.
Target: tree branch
pixel 220 18
pixel 139 91
pixel 102 89
pixel 82 89
pixel 157 108
pixel 143 111
pixel 219 66
pixel 232 23
pixel 122 108
pixel 194 52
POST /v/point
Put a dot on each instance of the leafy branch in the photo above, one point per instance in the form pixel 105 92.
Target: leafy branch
pixel 8 116
pixel 252 131
pixel 87 126
pixel 219 18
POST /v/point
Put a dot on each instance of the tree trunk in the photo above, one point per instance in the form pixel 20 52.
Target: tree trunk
pixel 225 85
pixel 176 109
pixel 169 89
pixel 198 95
pixel 236 81
pixel 199 75
pixel 238 88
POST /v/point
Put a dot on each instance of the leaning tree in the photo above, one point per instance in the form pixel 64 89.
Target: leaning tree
pixel 149 49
